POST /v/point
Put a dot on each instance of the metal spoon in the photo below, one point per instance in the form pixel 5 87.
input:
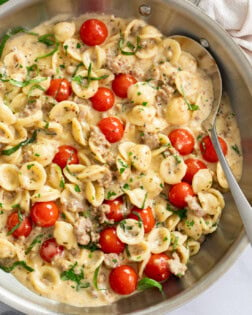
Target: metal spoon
pixel 208 64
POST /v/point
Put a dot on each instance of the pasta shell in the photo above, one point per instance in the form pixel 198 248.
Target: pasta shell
pixel 140 115
pixel 18 102
pixel 91 260
pixel 172 170
pixel 160 210
pixel 31 120
pixel 15 63
pixel 130 231
pixel 92 173
pixel 202 180
pixel 46 193
pixel 25 201
pixel 177 112
pixel 7 250
pixel 157 125
pixel 138 252
pixel 6 133
pixel 6 114
pixel 140 157
pixel 32 176
pixel 64 112
pixel 124 149
pixel 44 279
pixel 187 84
pixel 80 131
pixel 221 176
pixel 9 177
pixel 64 234
pixel 172 50
pixel 73 171
pixel 95 56
pixel 187 62
pixel 85 90
pixel 31 89
pixel 64 30
pixel 94 194
pixel 72 49
pixel 193 247
pixel 55 176
pixel 71 199
pixel 159 240
pixel 8 199
pixel 142 93
pixel 137 197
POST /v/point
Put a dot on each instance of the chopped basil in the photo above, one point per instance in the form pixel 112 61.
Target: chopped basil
pixel 177 159
pixel 21 83
pixel 21 144
pixel 77 68
pixel 51 53
pixel 74 276
pixel 95 278
pixel 1 212
pixel 126 186
pixel 123 166
pixel 189 224
pixel 78 45
pixel 132 48
pixel 190 106
pixel 29 166
pixel 236 149
pixel 47 39
pixel 35 87
pixel 110 194
pixel 1 205
pixel 20 220
pixel 16 206
pixel 145 198
pixel 16 264
pixel 11 32
pixel 147 283
pixel 77 188
pixel 62 183
pixel 36 240
pixel 3 1
pixel 91 246
pixel 182 213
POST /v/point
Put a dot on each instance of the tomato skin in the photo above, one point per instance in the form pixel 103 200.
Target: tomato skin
pixel 112 128
pixel 59 89
pixel 121 83
pixel 123 280
pixel 193 166
pixel 45 214
pixel 25 227
pixel 182 140
pixel 115 212
pixel 207 149
pixel 93 32
pixel 146 215
pixel 49 249
pixel 103 99
pixel 178 194
pixel 109 241
pixel 66 155
pixel 157 267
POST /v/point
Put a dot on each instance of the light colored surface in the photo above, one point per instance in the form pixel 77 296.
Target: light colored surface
pixel 230 295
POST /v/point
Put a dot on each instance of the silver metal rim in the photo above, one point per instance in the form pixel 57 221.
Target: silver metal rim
pixel 227 261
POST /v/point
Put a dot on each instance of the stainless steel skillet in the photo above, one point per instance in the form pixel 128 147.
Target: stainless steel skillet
pixel 222 248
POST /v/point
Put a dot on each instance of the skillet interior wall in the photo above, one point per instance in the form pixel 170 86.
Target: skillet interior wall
pixel 170 18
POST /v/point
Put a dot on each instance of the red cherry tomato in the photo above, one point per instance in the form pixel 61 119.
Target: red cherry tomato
pixel 24 228
pixel 112 128
pixel 146 216
pixel 109 241
pixel 193 166
pixel 178 193
pixel 123 280
pixel 157 267
pixel 103 99
pixel 208 151
pixel 115 212
pixel 93 32
pixel 44 214
pixel 49 249
pixel 60 89
pixel 182 140
pixel 121 83
pixel 66 155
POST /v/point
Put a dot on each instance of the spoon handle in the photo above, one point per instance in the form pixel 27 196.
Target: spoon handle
pixel 241 201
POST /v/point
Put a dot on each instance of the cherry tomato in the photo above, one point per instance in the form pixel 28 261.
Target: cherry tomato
pixel 112 128
pixel 157 267
pixel 115 212
pixel 44 214
pixel 24 228
pixel 121 83
pixel 109 241
pixel 208 151
pixel 193 166
pixel 103 99
pixel 178 193
pixel 123 280
pixel 182 140
pixel 49 249
pixel 60 89
pixel 66 155
pixel 146 216
pixel 93 32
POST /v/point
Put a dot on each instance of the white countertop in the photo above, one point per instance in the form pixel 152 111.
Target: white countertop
pixel 230 295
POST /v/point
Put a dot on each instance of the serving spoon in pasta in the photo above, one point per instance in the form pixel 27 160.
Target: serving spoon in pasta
pixel 209 65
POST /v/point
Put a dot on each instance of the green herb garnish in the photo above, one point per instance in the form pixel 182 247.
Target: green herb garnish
pixel 29 166
pixel 123 166
pixel 91 246
pixel 182 213
pixel 74 276
pixel 133 48
pixel 77 188
pixel 110 194
pixel 16 264
pixel 147 283
pixel 3 1
pixel 36 240
pixel 95 278
pixel 236 149
pixel 51 53
pixel 20 220
pixel 190 106
pixel 145 198
pixel 47 39
pixel 21 84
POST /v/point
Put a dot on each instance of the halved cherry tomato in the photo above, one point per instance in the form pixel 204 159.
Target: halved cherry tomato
pixel 66 155
pixel 208 151
pixel 93 32
pixel 103 99
pixel 109 241
pixel 123 280
pixel 49 249
pixel 45 214
pixel 115 212
pixel 178 194
pixel 60 89
pixel 121 83
pixel 112 128
pixel 157 267
pixel 146 216
pixel 193 166
pixel 24 228
pixel 182 140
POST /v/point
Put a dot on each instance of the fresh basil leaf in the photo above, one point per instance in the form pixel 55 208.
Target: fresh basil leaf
pixel 74 276
pixel 36 240
pixel 51 53
pixel 147 283
pixel 95 278
pixel 91 246
pixel 3 1
pixel 47 39
pixel 190 106
pixel 20 220
pixel 16 264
